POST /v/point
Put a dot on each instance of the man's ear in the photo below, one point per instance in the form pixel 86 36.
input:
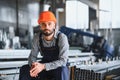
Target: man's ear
pixel 55 25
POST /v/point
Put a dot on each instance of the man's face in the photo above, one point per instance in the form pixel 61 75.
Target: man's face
pixel 47 27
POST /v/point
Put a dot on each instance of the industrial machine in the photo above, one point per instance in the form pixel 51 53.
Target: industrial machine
pixel 99 46
pixel 105 67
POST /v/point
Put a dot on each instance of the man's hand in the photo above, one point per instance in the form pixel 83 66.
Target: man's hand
pixel 36 68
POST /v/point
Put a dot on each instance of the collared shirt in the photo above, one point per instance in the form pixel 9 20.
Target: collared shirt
pixel 63 50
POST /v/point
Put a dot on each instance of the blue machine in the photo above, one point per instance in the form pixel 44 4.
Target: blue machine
pixel 99 46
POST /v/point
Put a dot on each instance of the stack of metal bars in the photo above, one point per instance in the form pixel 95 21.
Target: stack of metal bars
pixel 97 71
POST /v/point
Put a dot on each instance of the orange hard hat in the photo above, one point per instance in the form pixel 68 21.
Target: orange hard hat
pixel 46 16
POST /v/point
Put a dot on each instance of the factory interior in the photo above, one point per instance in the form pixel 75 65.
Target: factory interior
pixel 91 26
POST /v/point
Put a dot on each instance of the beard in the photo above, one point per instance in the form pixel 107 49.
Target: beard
pixel 47 32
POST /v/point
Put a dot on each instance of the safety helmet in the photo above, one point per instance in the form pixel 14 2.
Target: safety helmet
pixel 46 16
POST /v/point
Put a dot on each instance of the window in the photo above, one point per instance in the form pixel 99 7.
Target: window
pixel 76 15
pixel 109 14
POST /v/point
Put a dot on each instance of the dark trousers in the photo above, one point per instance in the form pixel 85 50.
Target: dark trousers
pixel 44 75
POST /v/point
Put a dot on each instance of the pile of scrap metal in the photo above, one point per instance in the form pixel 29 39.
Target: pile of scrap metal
pixel 99 46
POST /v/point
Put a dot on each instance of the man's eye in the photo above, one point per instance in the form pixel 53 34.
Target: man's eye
pixel 42 25
pixel 49 24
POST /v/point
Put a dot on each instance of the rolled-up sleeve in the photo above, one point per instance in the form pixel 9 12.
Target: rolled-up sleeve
pixel 63 54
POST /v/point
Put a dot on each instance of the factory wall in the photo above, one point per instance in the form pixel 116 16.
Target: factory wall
pixel 21 15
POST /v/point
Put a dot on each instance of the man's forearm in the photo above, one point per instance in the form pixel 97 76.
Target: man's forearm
pixel 55 64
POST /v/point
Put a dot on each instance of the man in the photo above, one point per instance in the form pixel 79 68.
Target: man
pixel 52 45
